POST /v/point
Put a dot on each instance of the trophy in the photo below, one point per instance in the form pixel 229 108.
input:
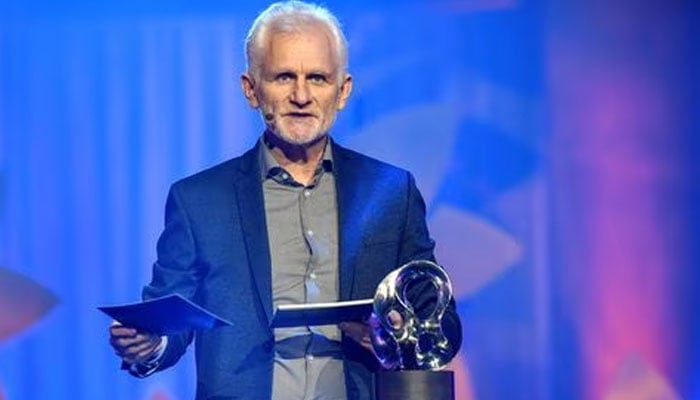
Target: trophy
pixel 413 351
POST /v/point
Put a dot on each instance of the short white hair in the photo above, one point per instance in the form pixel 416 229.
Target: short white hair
pixel 292 16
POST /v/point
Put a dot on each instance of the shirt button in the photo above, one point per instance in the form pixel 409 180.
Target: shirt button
pixel 310 232
pixel 312 275
pixel 309 357
pixel 307 193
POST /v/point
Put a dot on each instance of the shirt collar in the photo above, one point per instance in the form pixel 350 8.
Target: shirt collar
pixel 269 166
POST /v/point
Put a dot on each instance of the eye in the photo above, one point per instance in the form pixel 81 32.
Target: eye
pixel 317 78
pixel 284 77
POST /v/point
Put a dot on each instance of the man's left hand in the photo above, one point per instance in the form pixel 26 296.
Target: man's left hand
pixel 361 331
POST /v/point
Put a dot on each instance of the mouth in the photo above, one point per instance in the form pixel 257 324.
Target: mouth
pixel 297 114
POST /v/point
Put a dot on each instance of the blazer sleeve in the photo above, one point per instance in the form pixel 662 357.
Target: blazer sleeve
pixel 416 244
pixel 175 270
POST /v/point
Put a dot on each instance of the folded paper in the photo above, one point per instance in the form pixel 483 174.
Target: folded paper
pixel 165 315
pixel 316 314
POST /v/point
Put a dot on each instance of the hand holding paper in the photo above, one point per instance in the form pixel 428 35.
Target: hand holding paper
pixel 131 345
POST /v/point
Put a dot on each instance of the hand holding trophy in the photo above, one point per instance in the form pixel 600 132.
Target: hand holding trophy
pixel 413 348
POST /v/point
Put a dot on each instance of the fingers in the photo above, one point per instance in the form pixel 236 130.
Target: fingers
pixel 131 345
pixel 355 330
pixel 395 319
pixel 140 353
pixel 359 332
pixel 122 331
pixel 126 338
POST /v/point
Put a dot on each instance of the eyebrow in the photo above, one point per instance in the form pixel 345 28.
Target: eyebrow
pixel 289 71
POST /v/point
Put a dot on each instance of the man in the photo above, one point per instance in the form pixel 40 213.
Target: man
pixel 296 219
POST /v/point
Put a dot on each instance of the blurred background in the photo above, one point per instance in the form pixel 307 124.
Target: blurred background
pixel 555 143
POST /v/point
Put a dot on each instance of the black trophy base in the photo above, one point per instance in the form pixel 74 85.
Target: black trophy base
pixel 414 385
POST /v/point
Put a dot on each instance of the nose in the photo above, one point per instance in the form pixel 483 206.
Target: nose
pixel 301 96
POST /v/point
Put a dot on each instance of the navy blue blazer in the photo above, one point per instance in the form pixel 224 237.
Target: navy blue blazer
pixel 214 250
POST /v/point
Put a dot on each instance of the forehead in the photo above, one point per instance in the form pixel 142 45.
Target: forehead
pixel 311 47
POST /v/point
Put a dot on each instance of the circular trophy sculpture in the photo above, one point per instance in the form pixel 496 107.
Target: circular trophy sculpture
pixel 413 348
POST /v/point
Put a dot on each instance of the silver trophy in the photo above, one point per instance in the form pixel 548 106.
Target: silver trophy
pixel 419 342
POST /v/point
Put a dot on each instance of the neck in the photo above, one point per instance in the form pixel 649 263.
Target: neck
pixel 300 160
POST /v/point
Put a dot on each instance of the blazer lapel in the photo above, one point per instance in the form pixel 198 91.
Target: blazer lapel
pixel 349 203
pixel 251 206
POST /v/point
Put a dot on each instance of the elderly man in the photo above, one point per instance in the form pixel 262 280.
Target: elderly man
pixel 296 219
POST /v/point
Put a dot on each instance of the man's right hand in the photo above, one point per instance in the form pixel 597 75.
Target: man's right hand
pixel 131 345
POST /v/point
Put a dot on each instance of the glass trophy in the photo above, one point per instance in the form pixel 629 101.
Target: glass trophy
pixel 407 334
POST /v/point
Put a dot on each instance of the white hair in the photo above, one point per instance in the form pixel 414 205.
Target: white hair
pixel 292 16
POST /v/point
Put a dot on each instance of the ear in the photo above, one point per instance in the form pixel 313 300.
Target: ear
pixel 345 90
pixel 248 86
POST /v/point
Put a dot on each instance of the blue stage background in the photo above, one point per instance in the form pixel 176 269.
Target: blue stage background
pixel 555 144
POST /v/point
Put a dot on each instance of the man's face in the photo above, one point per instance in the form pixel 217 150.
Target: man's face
pixel 299 86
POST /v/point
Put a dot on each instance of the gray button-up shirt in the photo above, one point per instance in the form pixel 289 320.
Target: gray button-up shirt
pixel 302 226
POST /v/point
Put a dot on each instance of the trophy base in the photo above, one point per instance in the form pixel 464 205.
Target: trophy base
pixel 414 385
